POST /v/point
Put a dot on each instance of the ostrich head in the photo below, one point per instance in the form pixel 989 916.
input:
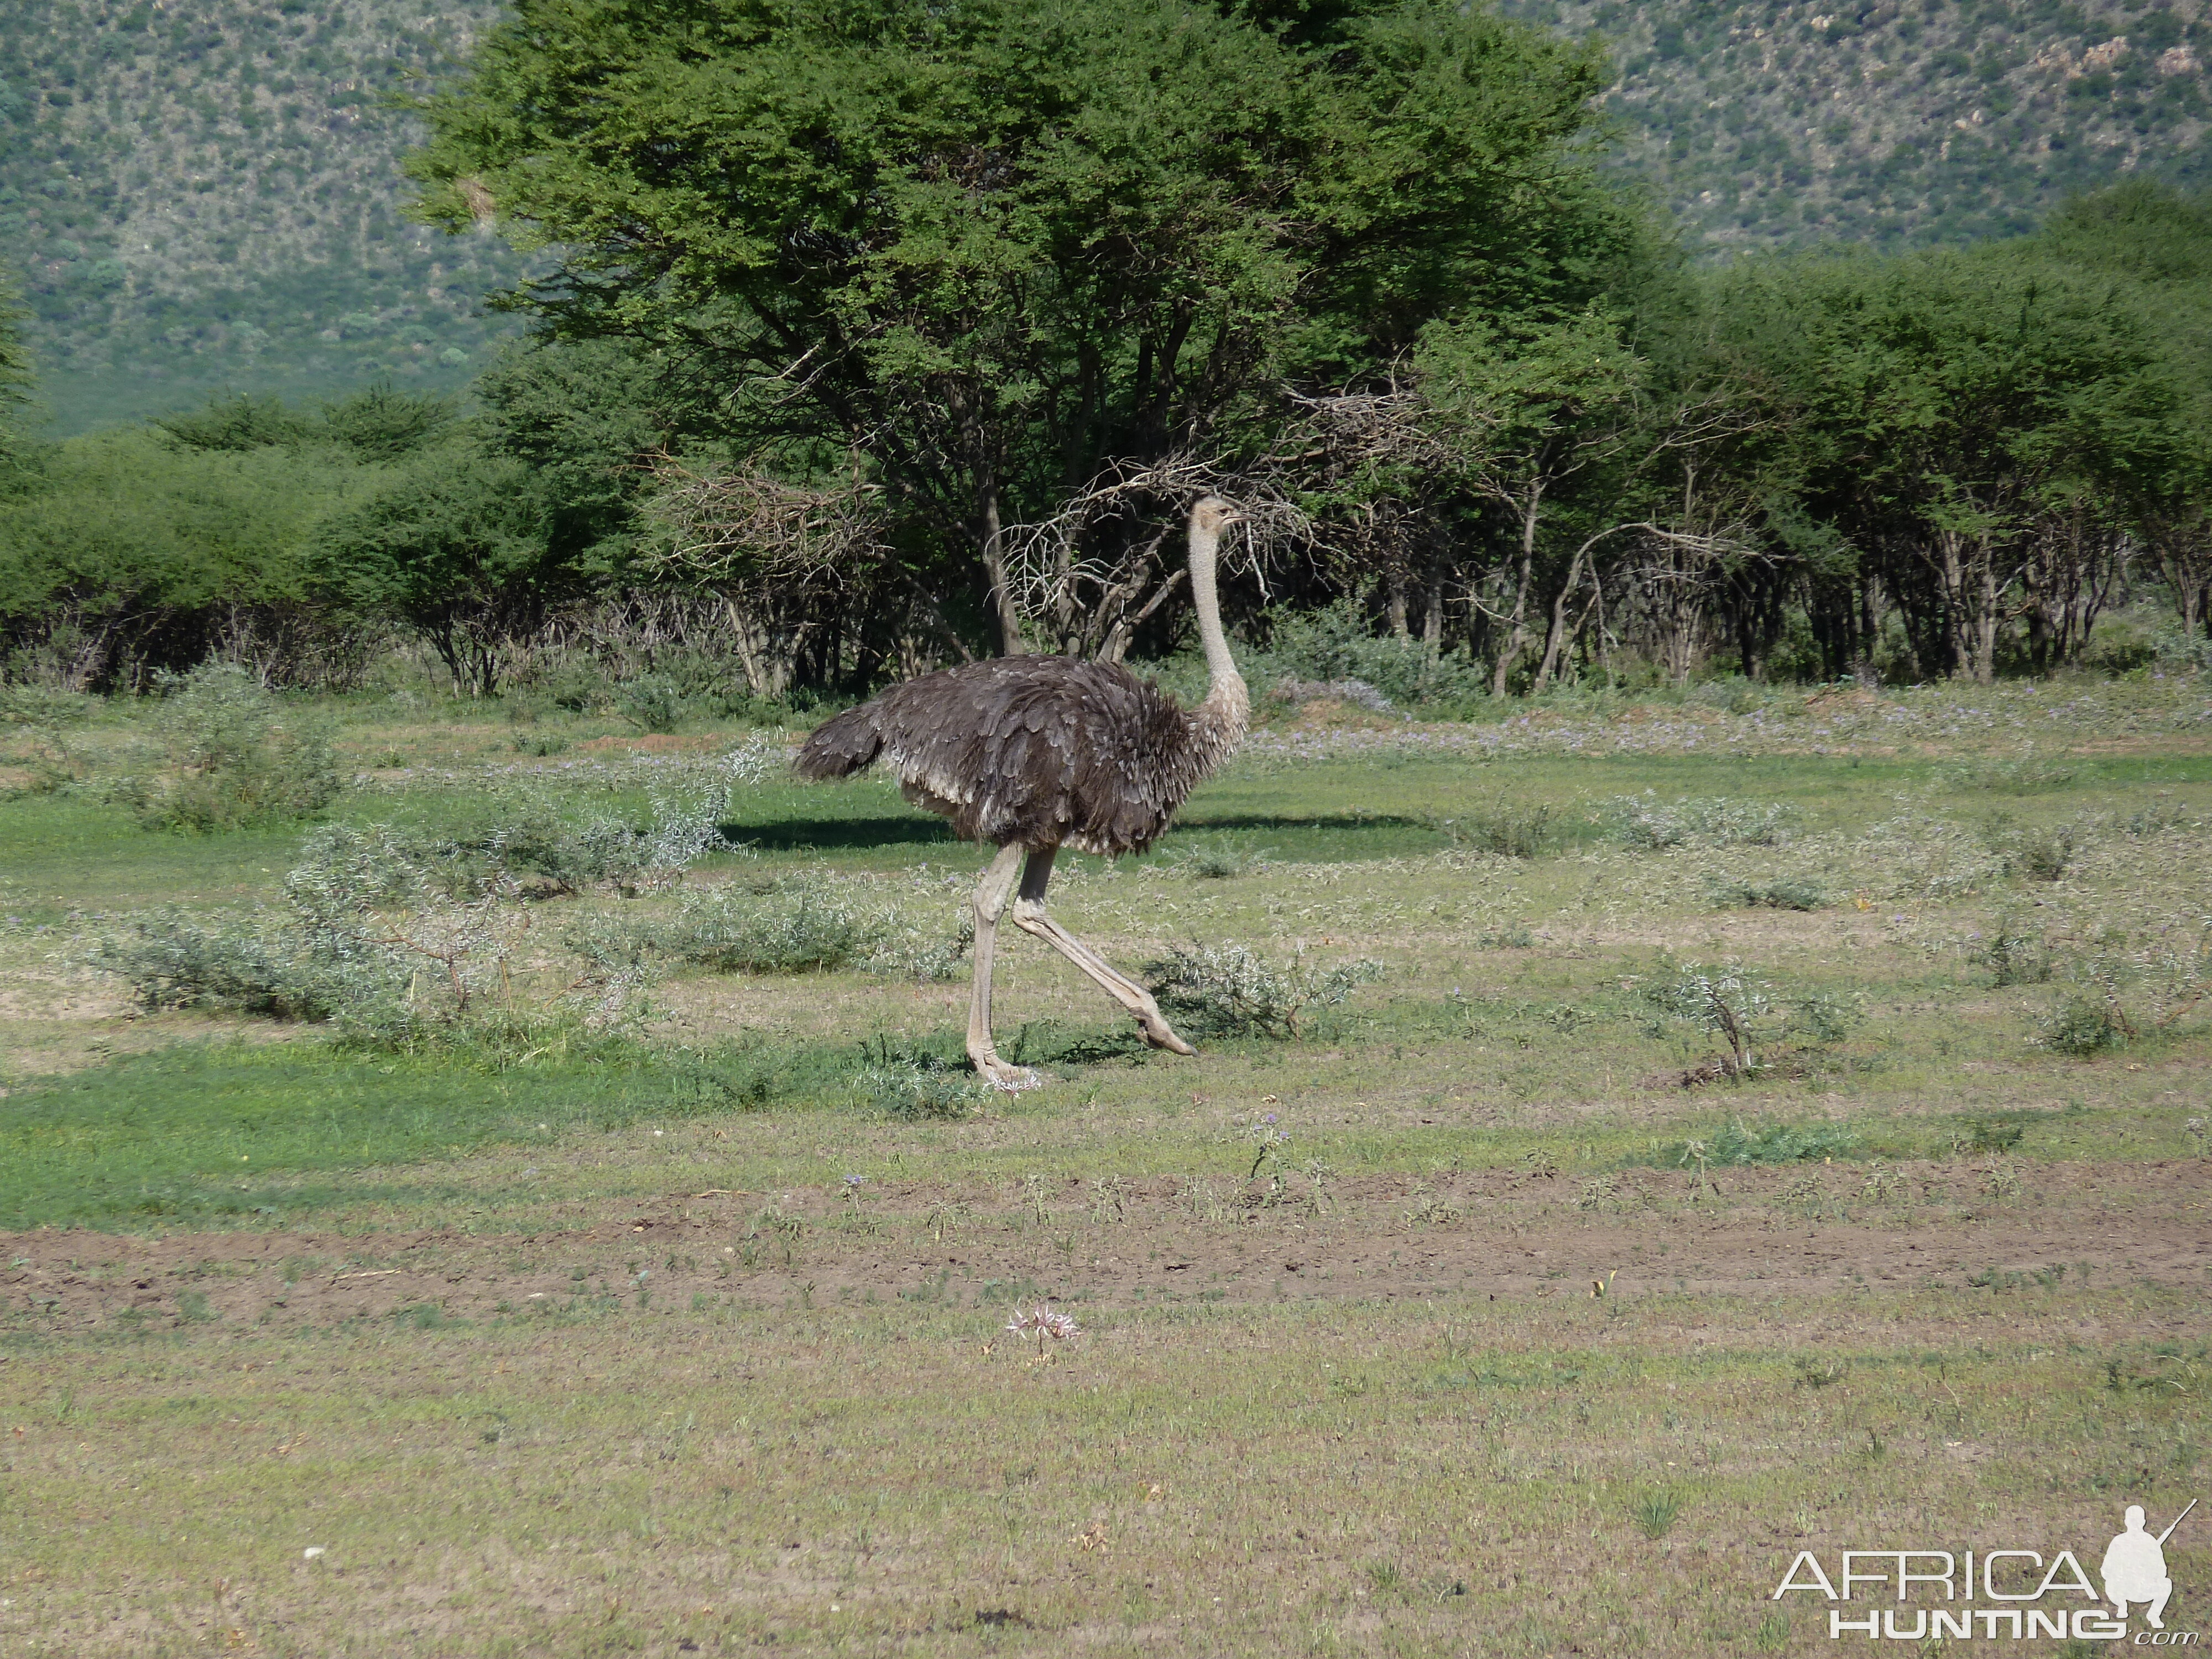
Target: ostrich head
pixel 1212 515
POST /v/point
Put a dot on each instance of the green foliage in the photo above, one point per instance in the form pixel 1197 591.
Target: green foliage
pixel 379 424
pixel 1231 991
pixel 584 417
pixel 1731 1001
pixel 124 547
pixel 2084 1024
pixel 456 546
pixel 924 1089
pixel 1335 644
pixel 1951 401
pixel 1737 1144
pixel 2014 953
pixel 1647 823
pixel 1101 231
pixel 1783 893
pixel 230 755
pixel 236 423
pixel 651 701
pixel 16 375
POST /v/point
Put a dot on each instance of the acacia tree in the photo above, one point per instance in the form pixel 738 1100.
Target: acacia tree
pixel 1005 248
pixel 455 546
pixel 1530 412
pixel 1946 405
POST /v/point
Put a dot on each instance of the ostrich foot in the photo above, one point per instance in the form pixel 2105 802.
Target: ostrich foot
pixel 1160 1034
pixel 999 1075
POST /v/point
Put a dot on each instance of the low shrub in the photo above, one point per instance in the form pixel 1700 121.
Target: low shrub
pixel 1729 1001
pixel 526 832
pixel 1650 824
pixel 2013 954
pixel 2039 852
pixel 1785 893
pixel 172 960
pixel 1506 829
pixel 784 927
pixel 229 755
pixel 1293 688
pixel 652 702
pixel 1742 1145
pixel 1228 990
pixel 1987 1134
pixel 2025 776
pixel 1337 644
pixel 924 1089
pixel 801 921
pixel 44 707
pixel 2084 1025
pixel 395 944
pixel 1826 1018
pixel 1219 859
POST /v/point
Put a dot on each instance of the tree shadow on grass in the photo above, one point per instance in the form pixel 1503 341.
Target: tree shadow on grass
pixel 860 835
pixel 1335 822
pixel 839 835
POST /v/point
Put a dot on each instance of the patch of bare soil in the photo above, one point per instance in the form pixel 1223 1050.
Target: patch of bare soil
pixel 1765 1234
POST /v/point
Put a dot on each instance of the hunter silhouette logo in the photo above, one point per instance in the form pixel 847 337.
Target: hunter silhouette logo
pixel 2016 1584
pixel 2135 1567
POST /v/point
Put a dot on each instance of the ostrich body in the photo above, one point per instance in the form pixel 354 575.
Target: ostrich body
pixel 1031 754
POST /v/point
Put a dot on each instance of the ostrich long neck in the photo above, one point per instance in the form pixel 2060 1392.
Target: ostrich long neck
pixel 1228 707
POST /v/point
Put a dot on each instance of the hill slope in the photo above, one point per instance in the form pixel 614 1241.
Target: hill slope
pixel 206 194
pixel 1896 121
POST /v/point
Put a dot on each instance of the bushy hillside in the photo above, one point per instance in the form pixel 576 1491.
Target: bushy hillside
pixel 206 194
pixel 1896 121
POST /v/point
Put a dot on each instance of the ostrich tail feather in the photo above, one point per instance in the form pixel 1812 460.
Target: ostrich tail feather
pixel 840 747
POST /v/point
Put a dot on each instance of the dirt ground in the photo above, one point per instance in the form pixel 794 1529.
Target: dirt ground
pixel 1767 1233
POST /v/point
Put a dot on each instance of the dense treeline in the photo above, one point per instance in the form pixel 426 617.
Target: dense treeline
pixel 897 335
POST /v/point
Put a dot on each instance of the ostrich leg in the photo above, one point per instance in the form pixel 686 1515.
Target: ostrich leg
pixel 991 893
pixel 1029 917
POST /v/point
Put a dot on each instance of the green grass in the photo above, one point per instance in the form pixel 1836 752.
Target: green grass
pixel 1480 1325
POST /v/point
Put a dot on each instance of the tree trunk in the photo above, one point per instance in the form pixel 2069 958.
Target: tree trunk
pixel 1985 618
pixel 1516 634
pixel 1433 615
pixel 1393 604
pixel 1555 637
pixel 1003 608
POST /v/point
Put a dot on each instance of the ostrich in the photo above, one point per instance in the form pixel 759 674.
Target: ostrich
pixel 1030 754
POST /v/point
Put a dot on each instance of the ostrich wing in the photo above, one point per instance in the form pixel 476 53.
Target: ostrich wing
pixel 1041 751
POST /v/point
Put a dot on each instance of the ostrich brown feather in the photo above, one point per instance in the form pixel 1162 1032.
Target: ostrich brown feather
pixel 1035 751
pixel 1033 754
